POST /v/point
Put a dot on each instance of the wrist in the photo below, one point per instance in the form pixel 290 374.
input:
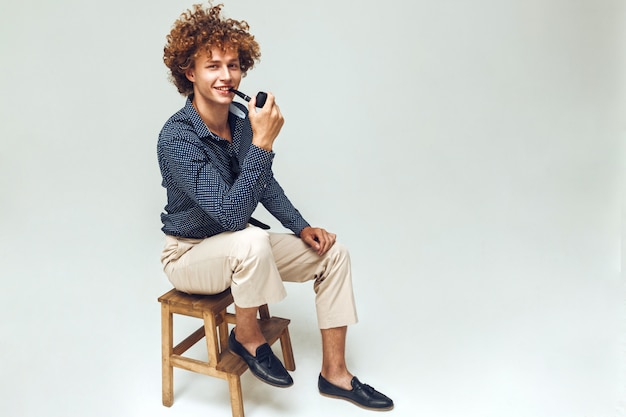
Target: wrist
pixel 303 230
pixel 263 144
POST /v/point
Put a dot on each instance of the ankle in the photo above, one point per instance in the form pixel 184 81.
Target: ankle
pixel 251 340
pixel 339 377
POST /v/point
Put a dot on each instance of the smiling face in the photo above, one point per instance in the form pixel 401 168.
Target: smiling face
pixel 213 75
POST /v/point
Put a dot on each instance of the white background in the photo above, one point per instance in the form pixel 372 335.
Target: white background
pixel 467 152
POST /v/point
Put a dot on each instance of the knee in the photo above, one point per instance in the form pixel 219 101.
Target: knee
pixel 336 269
pixel 254 242
pixel 339 252
pixel 338 256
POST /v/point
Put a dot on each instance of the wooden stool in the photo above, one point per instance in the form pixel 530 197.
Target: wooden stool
pixel 222 363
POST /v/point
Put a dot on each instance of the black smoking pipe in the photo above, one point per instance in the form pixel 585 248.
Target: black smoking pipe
pixel 261 97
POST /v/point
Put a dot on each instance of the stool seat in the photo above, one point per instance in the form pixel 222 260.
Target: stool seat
pixel 221 363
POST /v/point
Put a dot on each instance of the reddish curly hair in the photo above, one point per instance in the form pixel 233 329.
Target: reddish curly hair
pixel 199 30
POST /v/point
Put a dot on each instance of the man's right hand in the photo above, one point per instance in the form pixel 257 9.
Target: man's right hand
pixel 266 122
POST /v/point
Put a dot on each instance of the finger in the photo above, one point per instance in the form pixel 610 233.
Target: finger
pixel 276 112
pixel 326 241
pixel 252 105
pixel 332 238
pixel 309 239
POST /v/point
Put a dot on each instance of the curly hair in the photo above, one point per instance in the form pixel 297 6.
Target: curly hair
pixel 199 31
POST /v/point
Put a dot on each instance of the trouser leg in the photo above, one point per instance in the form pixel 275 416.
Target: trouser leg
pixel 331 275
pixel 253 263
pixel 241 260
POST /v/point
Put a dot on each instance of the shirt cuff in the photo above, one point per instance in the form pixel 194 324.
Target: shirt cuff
pixel 260 154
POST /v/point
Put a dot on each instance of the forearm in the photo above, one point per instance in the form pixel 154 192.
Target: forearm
pixel 193 174
pixel 234 205
pixel 277 203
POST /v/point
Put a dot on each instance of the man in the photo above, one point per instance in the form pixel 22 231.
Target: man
pixel 215 157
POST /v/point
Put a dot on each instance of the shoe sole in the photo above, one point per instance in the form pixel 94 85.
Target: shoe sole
pixel 339 397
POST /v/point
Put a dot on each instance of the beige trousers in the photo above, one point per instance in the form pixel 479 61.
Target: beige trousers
pixel 254 264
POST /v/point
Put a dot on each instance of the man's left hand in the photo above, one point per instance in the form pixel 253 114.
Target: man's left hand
pixel 317 238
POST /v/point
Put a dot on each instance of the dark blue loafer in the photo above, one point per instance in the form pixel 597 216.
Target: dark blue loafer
pixel 361 394
pixel 265 365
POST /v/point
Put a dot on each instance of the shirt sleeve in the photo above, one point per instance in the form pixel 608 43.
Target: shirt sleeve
pixel 191 170
pixel 277 203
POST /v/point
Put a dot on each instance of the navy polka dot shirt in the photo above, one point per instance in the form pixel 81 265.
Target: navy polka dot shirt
pixel 214 185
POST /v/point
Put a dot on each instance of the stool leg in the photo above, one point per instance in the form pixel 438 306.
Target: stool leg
pixel 223 331
pixel 285 344
pixel 210 332
pixel 264 312
pixel 167 346
pixel 236 397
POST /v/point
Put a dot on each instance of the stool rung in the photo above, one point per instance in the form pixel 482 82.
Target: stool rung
pixel 197 366
pixel 189 341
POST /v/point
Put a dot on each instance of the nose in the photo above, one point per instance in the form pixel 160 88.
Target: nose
pixel 225 73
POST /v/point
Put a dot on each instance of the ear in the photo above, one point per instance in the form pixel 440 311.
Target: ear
pixel 190 73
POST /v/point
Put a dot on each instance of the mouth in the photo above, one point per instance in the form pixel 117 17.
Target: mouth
pixel 224 89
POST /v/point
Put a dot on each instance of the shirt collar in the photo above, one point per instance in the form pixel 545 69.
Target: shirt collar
pixel 237 111
pixel 199 126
